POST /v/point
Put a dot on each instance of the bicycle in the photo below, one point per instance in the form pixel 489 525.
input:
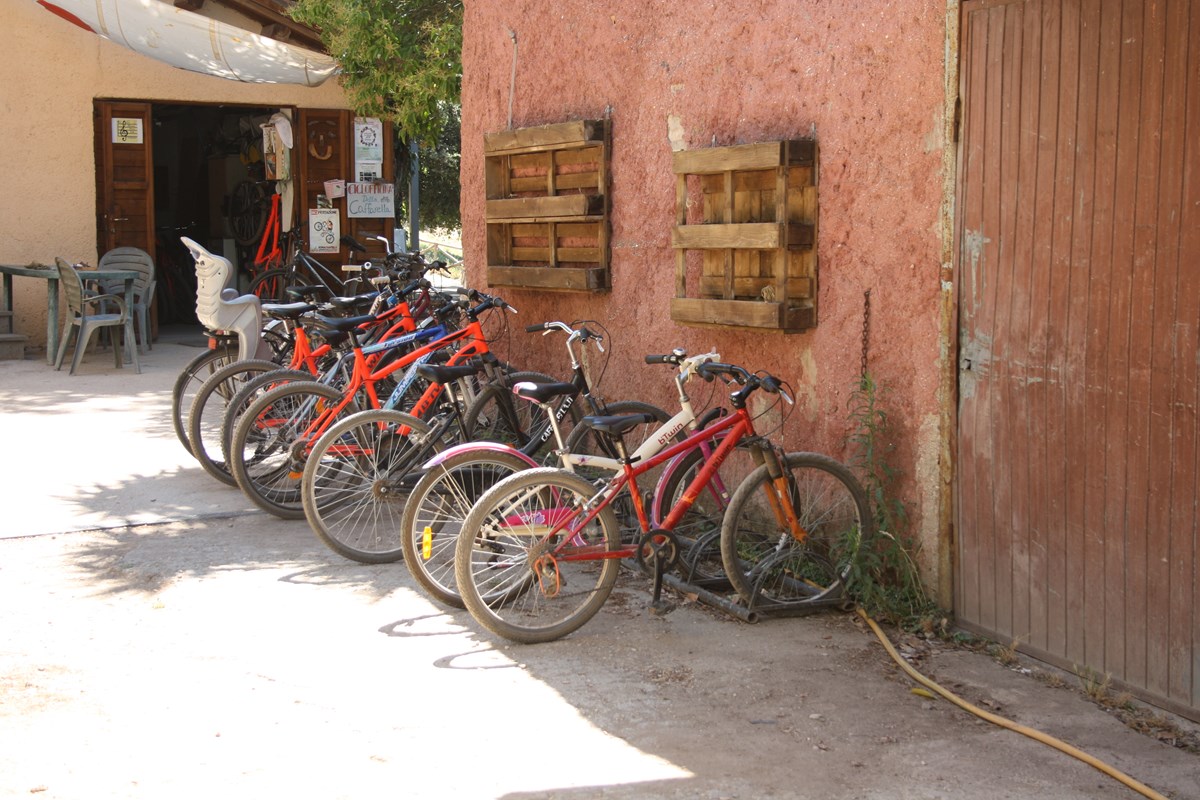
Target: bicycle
pixel 358 474
pixel 271 440
pixel 539 553
pixel 456 477
pixel 227 392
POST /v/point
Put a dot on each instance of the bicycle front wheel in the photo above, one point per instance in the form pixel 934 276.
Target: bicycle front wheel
pixel 357 479
pixel 271 443
pixel 193 376
pixel 434 514
pixel 765 562
pixel 208 412
pixel 517 576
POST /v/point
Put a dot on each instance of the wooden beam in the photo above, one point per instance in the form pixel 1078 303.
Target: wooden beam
pixel 265 15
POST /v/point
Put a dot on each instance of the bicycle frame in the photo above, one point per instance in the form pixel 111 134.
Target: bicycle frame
pixel 733 429
pixel 363 378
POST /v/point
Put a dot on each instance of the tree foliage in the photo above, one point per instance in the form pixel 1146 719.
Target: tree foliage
pixel 402 63
pixel 438 165
pixel 401 59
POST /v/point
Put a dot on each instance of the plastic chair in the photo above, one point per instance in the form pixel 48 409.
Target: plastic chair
pixel 86 324
pixel 220 308
pixel 133 258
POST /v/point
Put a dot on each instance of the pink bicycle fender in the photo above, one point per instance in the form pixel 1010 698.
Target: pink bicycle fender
pixel 487 447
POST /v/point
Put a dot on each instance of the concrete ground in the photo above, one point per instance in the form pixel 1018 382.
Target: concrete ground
pixel 160 638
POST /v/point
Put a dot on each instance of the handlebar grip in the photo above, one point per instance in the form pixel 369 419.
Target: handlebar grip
pixel 541 326
pixel 660 359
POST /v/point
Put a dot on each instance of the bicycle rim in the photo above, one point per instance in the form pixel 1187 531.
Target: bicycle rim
pixel 270 444
pixel 517 582
pixel 766 563
pixel 434 514
pixel 357 480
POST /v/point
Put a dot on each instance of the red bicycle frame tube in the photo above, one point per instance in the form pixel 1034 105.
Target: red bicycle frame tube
pixel 739 425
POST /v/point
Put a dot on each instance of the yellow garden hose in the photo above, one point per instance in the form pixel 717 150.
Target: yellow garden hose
pixel 1044 738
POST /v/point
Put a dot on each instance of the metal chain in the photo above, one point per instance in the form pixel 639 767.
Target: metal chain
pixel 866 328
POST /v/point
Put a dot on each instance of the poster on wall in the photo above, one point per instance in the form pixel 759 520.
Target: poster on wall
pixel 368 140
pixel 127 130
pixel 368 149
pixel 372 200
pixel 324 230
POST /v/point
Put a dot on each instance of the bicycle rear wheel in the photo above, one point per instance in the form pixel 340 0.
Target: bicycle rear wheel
pixel 193 376
pixel 518 578
pixel 357 479
pixel 488 417
pixel 255 387
pixel 699 529
pixel 271 443
pixel 434 514
pixel 765 563
pixel 271 286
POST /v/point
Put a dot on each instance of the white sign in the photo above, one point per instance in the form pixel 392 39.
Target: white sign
pixel 127 130
pixel 324 230
pixel 368 139
pixel 376 200
pixel 369 171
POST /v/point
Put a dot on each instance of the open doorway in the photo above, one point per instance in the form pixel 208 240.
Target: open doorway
pixel 208 170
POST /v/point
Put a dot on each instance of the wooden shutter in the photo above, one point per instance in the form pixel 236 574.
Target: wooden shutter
pixel 124 175
pixel 324 149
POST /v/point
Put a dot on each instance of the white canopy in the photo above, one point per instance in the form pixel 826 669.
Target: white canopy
pixel 193 42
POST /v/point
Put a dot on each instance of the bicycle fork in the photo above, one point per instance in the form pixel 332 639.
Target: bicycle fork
pixel 779 494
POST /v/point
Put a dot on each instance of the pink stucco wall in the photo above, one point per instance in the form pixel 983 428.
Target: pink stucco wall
pixel 865 79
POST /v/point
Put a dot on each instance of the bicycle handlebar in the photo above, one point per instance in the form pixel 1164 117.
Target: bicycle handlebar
pixel 744 378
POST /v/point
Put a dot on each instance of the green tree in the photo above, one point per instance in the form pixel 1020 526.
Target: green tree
pixel 401 59
pixel 439 175
pixel 402 63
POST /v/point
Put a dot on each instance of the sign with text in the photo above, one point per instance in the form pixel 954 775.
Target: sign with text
pixel 324 230
pixel 377 200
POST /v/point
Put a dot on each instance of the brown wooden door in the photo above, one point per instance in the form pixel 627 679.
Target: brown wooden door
pixel 124 175
pixel 324 150
pixel 1078 240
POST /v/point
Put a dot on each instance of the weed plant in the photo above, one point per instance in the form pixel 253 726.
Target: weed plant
pixel 884 579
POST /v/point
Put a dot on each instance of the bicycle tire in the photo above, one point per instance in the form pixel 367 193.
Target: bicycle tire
pixel 357 478
pixel 440 502
pixel 271 286
pixel 486 420
pixel 269 446
pixel 247 212
pixel 250 390
pixel 765 564
pixel 493 569
pixel 208 412
pixel 190 379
